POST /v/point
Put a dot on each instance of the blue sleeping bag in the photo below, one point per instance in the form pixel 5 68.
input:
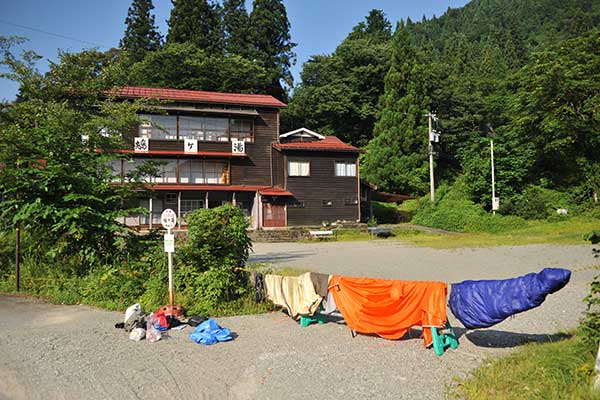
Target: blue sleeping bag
pixel 481 304
pixel 209 332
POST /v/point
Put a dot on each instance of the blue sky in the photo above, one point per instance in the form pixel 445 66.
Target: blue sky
pixel 318 26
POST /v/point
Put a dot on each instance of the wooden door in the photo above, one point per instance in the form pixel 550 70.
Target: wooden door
pixel 273 215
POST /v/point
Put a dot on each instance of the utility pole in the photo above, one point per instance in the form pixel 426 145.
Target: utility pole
pixel 493 177
pixel 495 201
pixel 433 138
pixel 18 257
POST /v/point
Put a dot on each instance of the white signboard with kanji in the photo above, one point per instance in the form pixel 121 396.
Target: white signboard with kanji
pixel 169 243
pixel 168 219
pixel 141 144
pixel 496 203
pixel 190 146
pixel 238 146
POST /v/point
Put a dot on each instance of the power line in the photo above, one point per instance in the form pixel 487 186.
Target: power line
pixel 54 34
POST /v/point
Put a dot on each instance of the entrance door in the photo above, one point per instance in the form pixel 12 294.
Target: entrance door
pixel 273 215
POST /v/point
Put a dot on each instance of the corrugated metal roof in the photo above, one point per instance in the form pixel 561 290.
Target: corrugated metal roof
pixel 197 96
pixel 330 143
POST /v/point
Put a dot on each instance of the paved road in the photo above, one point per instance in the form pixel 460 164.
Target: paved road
pixel 73 352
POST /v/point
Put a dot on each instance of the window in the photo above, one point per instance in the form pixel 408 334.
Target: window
pixel 191 171
pixel 298 168
pixel 167 172
pixel 199 172
pixel 130 169
pixel 345 168
pixel 171 198
pixel 296 204
pixel 188 206
pixel 115 168
pixel 158 127
pixel 351 202
pixel 327 203
pixel 241 129
pixel 204 129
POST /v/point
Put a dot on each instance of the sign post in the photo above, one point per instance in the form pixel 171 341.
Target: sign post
pixel 168 220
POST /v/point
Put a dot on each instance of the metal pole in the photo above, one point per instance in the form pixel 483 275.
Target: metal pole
pixel 493 177
pixel 431 183
pixel 171 291
pixel 17 257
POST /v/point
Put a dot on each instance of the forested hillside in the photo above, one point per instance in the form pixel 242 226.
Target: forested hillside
pixel 530 70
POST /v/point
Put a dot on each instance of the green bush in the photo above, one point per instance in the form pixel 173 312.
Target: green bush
pixel 590 325
pixel 451 215
pixel 206 276
pixel 386 213
pixel 217 244
pixel 537 202
pixel 454 211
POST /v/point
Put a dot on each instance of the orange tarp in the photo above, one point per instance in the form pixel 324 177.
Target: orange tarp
pixel 389 308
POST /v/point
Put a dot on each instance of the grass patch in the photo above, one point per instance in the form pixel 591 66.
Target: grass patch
pixel 558 370
pixel 566 232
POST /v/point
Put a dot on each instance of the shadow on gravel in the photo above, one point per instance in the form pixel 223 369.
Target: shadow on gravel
pixel 501 339
pixel 287 256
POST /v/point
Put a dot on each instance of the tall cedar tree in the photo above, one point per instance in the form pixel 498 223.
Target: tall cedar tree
pixel 236 25
pixel 141 35
pixel 197 22
pixel 272 45
pixel 396 157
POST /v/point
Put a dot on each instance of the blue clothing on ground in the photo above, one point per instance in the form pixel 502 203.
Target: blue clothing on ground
pixel 209 332
pixel 481 304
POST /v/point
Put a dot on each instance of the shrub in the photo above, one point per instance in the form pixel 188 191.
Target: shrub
pixel 386 213
pixel 217 243
pixel 452 215
pixel 454 211
pixel 590 325
pixel 537 203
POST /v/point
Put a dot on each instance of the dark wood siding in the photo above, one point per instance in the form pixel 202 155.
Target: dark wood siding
pixel 256 169
pixel 322 185
pixel 278 168
pixel 252 170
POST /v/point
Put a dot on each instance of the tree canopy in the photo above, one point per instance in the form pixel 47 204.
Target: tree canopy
pixel 141 34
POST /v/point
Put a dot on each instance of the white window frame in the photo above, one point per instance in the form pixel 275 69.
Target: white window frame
pixel 349 169
pixel 295 168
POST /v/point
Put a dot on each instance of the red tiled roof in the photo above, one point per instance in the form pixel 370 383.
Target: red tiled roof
pixel 197 96
pixel 228 188
pixel 217 154
pixel 330 143
pixel 275 191
pixel 264 190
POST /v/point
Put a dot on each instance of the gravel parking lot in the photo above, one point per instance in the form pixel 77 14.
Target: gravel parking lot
pixel 74 352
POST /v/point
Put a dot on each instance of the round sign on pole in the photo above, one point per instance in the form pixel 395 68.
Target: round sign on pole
pixel 168 219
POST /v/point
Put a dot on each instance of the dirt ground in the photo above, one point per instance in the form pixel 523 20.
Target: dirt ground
pixel 74 352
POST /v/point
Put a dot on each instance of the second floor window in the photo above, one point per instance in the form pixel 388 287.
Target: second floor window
pixel 298 168
pixel 345 168
pixel 204 129
pixel 160 127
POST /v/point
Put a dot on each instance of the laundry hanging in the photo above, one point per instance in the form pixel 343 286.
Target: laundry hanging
pixel 481 304
pixel 295 294
pixel 389 308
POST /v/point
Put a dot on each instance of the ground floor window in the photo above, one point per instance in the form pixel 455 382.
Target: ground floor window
pixel 187 206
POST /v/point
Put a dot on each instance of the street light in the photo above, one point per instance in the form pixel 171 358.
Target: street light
pixel 495 200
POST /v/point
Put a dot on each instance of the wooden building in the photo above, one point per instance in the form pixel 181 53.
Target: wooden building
pixel 221 147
